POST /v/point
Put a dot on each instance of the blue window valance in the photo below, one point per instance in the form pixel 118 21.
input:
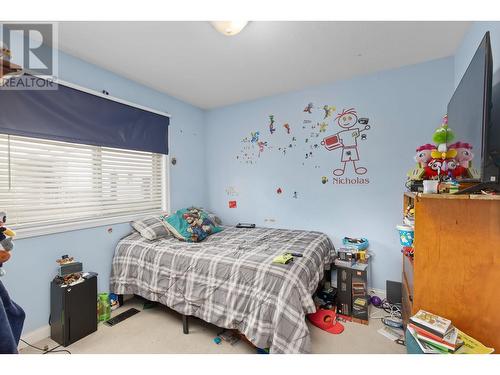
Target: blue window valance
pixel 70 115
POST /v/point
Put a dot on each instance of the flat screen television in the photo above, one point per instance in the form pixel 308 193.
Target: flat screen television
pixel 471 115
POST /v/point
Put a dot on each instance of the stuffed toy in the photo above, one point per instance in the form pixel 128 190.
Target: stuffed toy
pixel 6 235
pixel 423 155
pixel 464 153
pixel 443 159
pixel 442 136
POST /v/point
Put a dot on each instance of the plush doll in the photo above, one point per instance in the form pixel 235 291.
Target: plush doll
pixel 442 136
pixel 434 168
pixel 452 168
pixel 423 155
pixel 464 153
pixel 6 235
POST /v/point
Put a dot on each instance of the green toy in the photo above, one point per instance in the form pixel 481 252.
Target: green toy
pixel 284 258
pixel 443 135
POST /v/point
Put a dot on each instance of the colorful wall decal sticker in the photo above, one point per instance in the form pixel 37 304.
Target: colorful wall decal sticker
pixel 231 191
pixel 329 109
pixel 295 195
pixel 232 204
pixel 324 180
pixel 261 146
pixel 272 129
pixel 308 108
pixel 322 127
pixel 287 127
pixel 279 190
pixel 346 140
pixel 255 137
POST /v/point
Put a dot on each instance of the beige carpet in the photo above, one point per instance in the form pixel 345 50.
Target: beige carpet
pixel 159 330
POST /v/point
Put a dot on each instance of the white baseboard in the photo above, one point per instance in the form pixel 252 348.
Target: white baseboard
pixel 34 336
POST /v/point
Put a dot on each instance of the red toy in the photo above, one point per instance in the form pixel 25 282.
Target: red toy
pixel 327 321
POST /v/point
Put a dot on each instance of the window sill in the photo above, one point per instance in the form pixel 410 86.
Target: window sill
pixel 78 225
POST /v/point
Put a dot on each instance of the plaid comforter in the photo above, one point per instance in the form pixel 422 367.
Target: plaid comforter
pixel 229 280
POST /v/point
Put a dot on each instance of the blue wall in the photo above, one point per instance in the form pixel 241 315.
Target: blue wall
pixel 404 106
pixel 33 262
pixel 469 45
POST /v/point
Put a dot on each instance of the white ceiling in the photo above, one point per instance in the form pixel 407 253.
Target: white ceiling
pixel 193 62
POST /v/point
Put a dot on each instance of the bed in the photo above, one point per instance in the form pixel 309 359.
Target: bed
pixel 229 280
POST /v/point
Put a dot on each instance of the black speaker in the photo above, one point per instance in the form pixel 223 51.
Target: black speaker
pixel 73 311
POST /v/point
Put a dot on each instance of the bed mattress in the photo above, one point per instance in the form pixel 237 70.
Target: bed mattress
pixel 229 280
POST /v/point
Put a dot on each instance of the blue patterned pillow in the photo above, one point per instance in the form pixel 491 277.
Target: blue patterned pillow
pixel 191 224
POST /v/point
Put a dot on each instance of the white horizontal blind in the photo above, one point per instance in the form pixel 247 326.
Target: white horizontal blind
pixel 45 182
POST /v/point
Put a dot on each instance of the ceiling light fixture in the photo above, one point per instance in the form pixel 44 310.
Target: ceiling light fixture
pixel 229 28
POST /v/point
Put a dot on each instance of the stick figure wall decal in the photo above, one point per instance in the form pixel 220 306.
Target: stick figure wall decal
pixel 347 141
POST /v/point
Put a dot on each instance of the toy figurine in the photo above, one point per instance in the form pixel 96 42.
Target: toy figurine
pixel 423 155
pixel 443 160
pixel 442 136
pixel 6 235
pixel 464 153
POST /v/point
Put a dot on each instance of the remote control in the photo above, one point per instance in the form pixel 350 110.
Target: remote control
pixel 245 225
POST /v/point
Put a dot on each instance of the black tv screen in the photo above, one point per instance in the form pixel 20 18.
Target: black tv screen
pixel 469 112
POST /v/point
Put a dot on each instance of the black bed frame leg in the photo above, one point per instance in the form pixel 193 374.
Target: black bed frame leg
pixel 185 324
pixel 120 299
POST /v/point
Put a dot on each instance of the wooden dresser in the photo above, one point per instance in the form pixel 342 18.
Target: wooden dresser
pixel 456 268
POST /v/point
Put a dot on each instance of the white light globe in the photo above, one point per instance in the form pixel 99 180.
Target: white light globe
pixel 229 28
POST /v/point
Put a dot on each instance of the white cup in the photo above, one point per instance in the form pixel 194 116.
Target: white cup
pixel 431 186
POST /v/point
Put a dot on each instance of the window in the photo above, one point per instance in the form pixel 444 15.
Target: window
pixel 47 183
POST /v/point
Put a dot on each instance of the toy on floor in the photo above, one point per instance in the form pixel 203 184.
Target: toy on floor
pixel 228 336
pixel 113 299
pixel 327 321
pixel 6 244
pixel 376 301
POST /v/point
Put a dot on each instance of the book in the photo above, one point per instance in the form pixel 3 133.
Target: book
pixel 438 348
pixel 436 344
pixel 426 348
pixel 435 324
pixel 451 338
pixel 471 345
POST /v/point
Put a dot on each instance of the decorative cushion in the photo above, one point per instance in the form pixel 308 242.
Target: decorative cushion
pixel 151 227
pixel 215 219
pixel 191 225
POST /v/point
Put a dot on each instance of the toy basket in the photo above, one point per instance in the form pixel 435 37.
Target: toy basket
pixel 355 243
pixel 405 235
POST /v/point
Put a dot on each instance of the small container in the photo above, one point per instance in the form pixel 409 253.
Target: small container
pixel 104 307
pixel 405 235
pixel 431 186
